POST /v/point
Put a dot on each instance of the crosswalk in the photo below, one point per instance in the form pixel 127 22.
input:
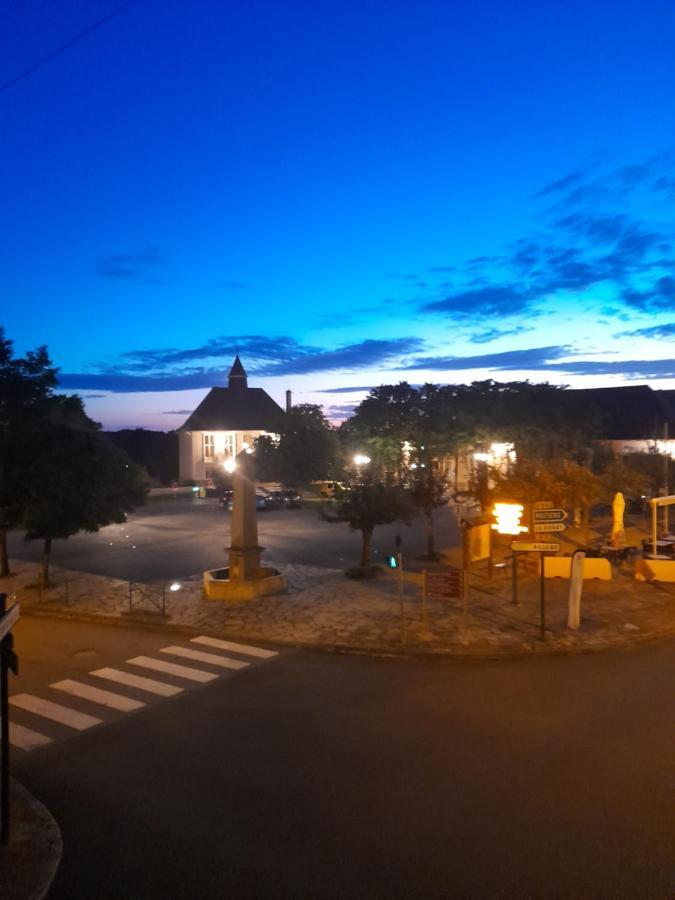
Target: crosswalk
pixel 125 690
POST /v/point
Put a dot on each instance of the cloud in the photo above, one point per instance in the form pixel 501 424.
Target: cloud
pixel 630 369
pixel 141 265
pixel 346 390
pixel 252 346
pixel 492 300
pixel 339 412
pixel 508 359
pixel 492 334
pixel 176 412
pixel 174 370
pixel 352 356
pixel 593 237
pixel 545 359
pixel 131 384
pixel 656 332
pixel 561 184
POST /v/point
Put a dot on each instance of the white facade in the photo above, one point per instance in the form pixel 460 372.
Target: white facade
pixel 203 453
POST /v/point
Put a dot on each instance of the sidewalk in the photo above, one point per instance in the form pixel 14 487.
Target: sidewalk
pixel 29 863
pixel 323 609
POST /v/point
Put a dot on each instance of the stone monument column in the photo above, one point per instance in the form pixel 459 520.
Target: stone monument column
pixel 244 552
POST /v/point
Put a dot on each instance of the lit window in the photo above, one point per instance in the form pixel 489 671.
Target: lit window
pixel 208 446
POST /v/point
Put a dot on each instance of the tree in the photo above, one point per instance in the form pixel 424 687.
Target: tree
pixel 305 451
pixel 79 480
pixel 26 386
pixel 364 506
pixel 429 491
pixel 155 451
pixel 406 432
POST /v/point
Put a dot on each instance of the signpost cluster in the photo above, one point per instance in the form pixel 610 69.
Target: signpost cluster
pixel 545 518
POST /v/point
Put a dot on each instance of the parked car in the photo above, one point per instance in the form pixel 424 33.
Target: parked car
pixel 292 499
pixel 274 500
pixel 260 501
pixel 328 489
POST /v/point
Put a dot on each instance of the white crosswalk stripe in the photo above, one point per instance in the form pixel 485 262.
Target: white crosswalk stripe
pixel 223 661
pixel 54 711
pixel 96 695
pixel 137 681
pixel 162 665
pixel 25 738
pixel 235 648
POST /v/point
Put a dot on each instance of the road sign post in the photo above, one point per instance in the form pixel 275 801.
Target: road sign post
pixel 542 597
pixel 541 547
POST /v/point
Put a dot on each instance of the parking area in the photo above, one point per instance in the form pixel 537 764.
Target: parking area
pixel 180 536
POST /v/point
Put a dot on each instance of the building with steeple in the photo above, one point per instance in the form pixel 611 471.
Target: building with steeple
pixel 227 421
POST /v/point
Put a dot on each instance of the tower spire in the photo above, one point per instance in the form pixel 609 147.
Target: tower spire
pixel 237 378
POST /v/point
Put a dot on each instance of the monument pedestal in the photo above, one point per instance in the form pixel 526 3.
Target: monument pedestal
pixel 244 578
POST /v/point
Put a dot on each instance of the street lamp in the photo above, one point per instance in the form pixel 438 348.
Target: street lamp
pixel 230 464
pixel 360 459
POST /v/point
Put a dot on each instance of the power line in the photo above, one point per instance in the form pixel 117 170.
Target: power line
pixel 62 47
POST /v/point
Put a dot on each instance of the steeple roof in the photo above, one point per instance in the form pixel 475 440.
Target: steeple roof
pixel 237 376
pixel 236 407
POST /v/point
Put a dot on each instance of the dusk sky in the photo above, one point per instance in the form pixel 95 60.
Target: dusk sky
pixel 347 193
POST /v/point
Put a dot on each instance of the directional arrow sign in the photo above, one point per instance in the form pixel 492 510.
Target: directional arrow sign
pixel 549 526
pixel 543 504
pixel 540 546
pixel 548 515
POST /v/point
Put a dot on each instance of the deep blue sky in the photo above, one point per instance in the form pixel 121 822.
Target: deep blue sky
pixel 349 193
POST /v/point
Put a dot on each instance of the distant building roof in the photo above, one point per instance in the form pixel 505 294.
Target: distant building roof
pixel 629 412
pixel 668 400
pixel 235 408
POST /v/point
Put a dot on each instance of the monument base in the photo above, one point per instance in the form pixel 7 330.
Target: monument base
pixel 218 586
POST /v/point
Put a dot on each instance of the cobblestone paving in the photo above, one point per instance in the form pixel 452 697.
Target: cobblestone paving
pixel 323 608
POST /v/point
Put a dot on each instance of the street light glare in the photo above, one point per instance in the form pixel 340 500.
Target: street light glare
pixel 360 459
pixel 230 465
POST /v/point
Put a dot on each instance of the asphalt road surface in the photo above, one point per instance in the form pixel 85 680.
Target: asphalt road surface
pixel 310 775
pixel 178 536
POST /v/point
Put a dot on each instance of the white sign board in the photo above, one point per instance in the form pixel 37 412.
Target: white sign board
pixel 539 546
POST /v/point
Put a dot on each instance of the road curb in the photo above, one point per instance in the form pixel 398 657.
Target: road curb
pixel 537 649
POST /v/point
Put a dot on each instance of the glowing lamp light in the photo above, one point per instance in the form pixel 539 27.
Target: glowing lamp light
pixel 176 586
pixel 230 464
pixel 360 459
pixel 482 457
pixel 508 516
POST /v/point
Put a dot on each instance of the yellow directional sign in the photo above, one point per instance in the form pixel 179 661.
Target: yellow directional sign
pixel 548 526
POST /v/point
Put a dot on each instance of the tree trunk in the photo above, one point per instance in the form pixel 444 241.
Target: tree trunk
pixel 47 549
pixel 429 525
pixel 366 535
pixel 4 561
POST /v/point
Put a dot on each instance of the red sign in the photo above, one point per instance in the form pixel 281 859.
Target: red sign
pixel 445 584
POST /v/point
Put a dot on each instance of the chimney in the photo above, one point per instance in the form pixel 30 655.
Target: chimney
pixel 288 401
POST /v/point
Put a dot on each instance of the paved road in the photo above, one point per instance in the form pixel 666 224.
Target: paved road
pixel 312 775
pixel 181 536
